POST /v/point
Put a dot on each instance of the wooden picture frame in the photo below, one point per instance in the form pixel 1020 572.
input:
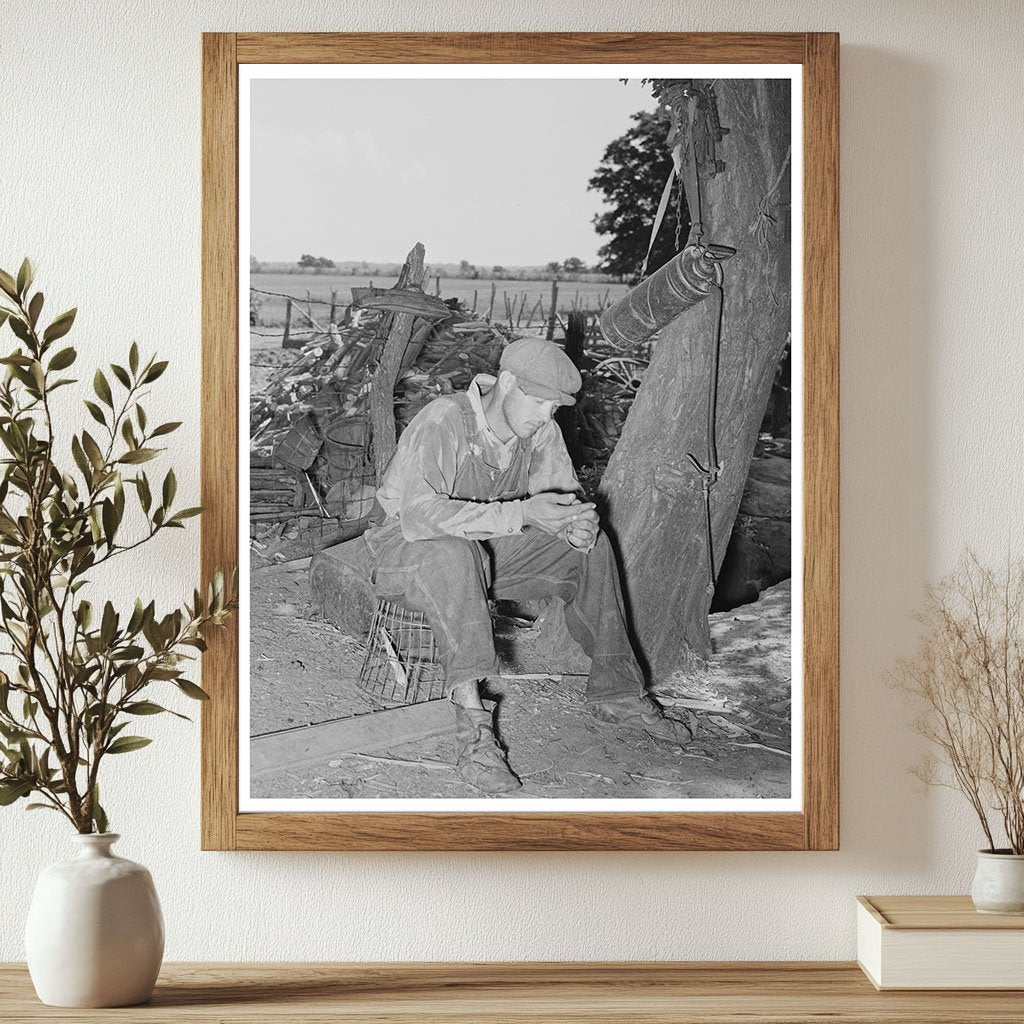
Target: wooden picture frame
pixel 816 826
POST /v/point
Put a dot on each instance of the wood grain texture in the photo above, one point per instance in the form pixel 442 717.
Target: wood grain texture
pixel 519 47
pixel 527 993
pixel 817 827
pixel 821 441
pixel 491 831
pixel 219 430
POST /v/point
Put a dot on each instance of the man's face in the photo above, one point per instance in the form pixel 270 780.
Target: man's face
pixel 524 413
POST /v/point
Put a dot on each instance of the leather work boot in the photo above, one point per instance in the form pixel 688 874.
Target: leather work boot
pixel 640 713
pixel 481 762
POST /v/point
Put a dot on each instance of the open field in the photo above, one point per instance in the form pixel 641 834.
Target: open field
pixel 571 294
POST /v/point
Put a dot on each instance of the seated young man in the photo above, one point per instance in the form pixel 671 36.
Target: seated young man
pixel 481 499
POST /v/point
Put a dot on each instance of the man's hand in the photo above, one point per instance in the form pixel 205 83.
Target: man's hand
pixel 581 534
pixel 553 513
pixel 581 531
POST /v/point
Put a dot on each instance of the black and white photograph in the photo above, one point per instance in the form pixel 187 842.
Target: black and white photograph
pixel 520 462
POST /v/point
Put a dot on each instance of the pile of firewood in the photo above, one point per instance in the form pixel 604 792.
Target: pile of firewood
pixel 311 468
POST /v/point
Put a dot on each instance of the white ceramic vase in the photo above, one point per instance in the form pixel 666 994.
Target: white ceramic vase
pixel 999 883
pixel 95 934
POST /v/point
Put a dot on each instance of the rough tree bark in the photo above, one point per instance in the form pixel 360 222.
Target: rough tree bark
pixel 652 497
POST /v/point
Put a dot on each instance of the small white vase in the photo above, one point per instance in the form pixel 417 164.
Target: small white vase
pixel 999 882
pixel 95 934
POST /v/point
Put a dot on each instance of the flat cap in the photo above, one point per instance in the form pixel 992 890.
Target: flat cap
pixel 542 369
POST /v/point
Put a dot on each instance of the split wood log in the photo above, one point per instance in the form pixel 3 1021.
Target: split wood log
pixel 652 497
pixel 339 581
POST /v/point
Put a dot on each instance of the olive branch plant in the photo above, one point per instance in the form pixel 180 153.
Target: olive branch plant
pixel 80 673
pixel 967 681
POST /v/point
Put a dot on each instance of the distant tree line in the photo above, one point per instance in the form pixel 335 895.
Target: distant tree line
pixel 571 269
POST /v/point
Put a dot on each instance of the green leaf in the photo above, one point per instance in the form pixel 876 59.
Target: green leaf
pixel 92 449
pixel 126 744
pixel 165 428
pixel 191 690
pixel 14 790
pixel 8 285
pixel 4 314
pixel 26 275
pixel 35 307
pixel 80 459
pixel 145 497
pixel 185 513
pixel 63 359
pixel 20 328
pixel 99 816
pixel 154 372
pixel 41 807
pixel 109 521
pixel 95 412
pixel 170 488
pixel 60 326
pixel 102 388
pixel 84 614
pixel 138 455
pixel 147 707
pixel 140 415
pixel 128 433
pixel 133 358
pixel 108 626
pixel 121 374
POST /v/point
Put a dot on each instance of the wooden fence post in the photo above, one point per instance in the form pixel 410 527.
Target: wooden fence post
pixel 554 309
pixel 334 304
pixel 286 342
pixel 494 289
pixel 568 416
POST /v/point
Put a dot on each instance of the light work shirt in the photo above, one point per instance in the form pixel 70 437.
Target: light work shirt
pixel 419 483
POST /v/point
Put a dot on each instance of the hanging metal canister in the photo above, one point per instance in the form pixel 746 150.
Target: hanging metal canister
pixel 683 282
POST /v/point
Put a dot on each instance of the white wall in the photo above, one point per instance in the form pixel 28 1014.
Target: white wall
pixel 100 183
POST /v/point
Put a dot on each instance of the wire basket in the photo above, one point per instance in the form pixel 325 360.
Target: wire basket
pixel 400 666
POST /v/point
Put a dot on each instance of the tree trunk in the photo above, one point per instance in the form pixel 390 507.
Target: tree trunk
pixel 652 497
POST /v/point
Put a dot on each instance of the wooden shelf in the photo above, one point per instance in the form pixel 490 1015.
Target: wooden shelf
pixel 697 993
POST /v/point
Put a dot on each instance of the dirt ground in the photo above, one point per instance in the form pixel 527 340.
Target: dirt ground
pixel 303 671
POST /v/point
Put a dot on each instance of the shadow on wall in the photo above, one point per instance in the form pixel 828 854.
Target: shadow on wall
pixel 888 274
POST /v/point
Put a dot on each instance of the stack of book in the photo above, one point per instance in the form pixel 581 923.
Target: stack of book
pixel 938 942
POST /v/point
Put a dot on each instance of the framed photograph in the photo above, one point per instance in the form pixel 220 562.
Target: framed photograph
pixel 520 420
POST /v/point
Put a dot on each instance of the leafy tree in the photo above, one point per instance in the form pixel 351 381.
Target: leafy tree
pixel 315 262
pixel 631 177
pixel 574 265
pixel 554 267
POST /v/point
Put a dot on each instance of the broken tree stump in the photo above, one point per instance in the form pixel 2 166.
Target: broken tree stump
pixel 382 391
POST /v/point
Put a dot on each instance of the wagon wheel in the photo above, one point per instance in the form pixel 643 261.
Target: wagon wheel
pixel 622 371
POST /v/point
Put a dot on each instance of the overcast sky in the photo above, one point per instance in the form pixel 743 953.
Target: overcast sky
pixel 491 171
